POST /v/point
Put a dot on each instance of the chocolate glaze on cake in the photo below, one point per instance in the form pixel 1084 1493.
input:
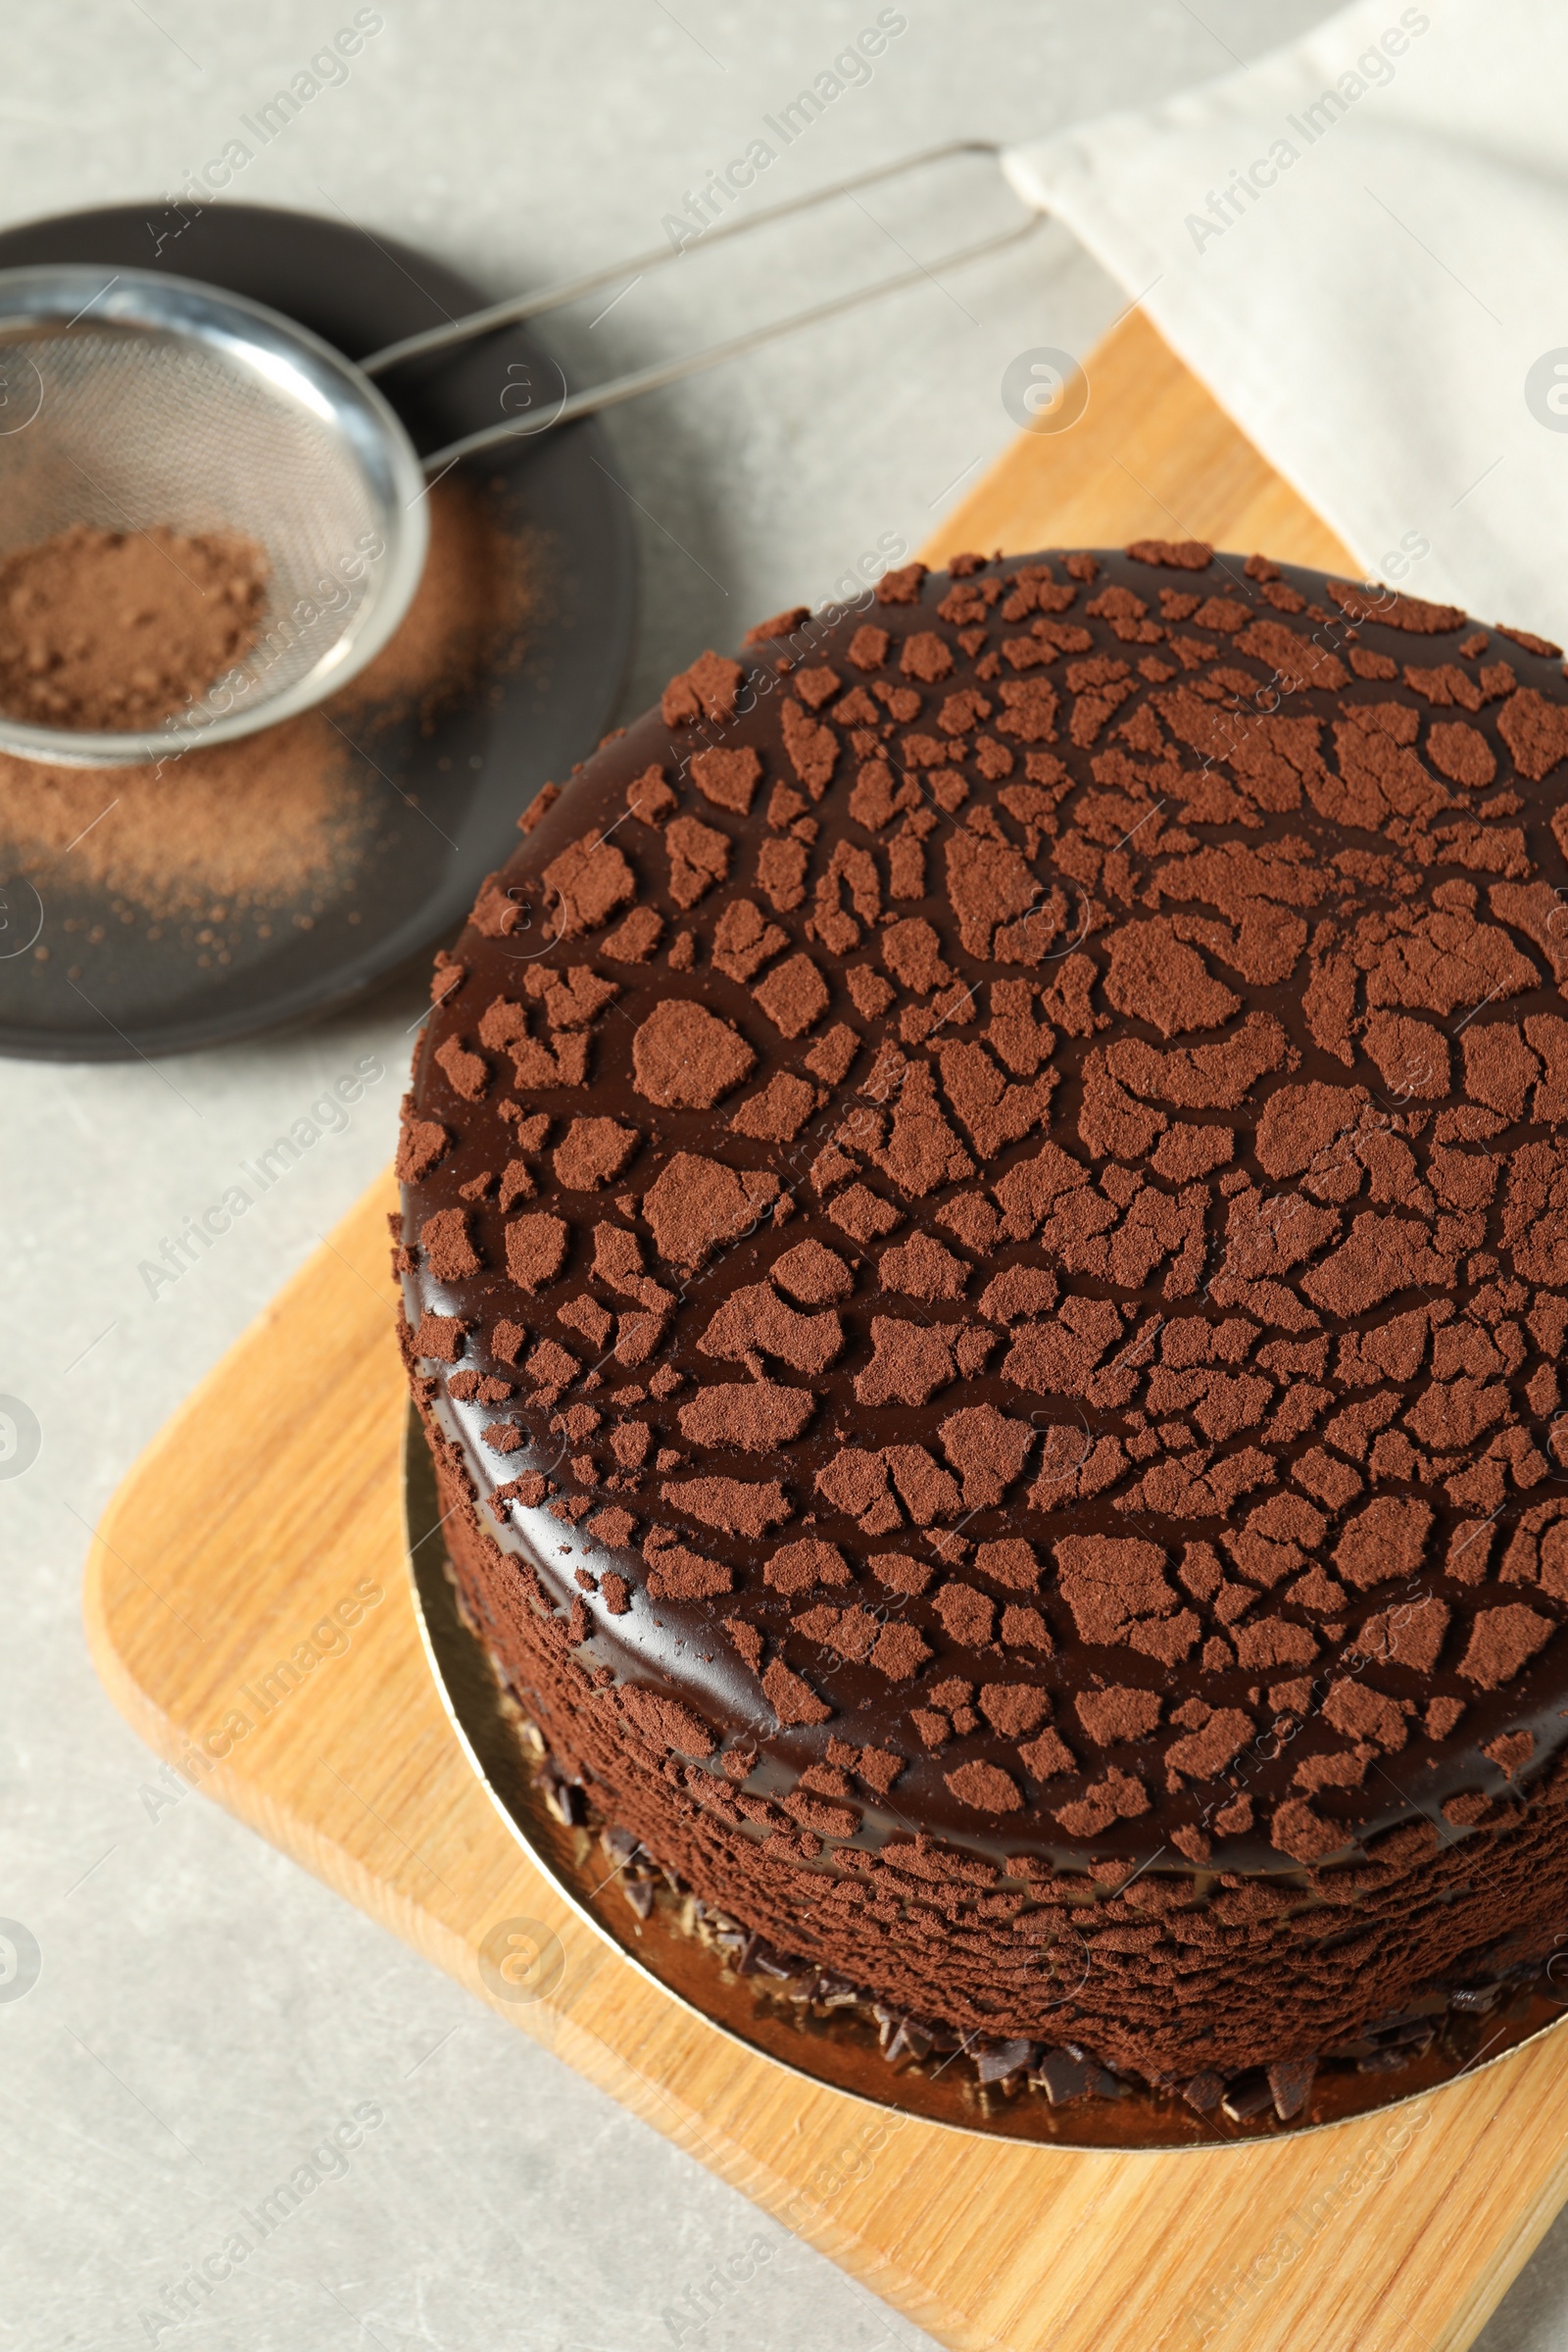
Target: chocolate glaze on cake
pixel 986 1244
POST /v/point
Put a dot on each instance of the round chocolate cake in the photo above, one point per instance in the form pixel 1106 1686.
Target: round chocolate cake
pixel 985 1243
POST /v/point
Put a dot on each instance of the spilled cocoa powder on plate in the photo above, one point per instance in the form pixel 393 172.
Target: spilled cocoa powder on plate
pixel 106 631
pixel 286 816
pixel 475 596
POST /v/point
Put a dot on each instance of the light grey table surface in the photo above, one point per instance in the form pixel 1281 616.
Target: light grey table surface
pixel 204 2012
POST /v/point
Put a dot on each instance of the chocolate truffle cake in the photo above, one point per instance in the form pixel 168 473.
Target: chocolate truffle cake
pixel 985 1243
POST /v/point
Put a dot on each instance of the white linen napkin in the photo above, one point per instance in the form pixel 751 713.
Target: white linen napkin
pixel 1360 245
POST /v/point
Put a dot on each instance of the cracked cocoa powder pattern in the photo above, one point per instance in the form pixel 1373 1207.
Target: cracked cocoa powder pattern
pixel 986 1231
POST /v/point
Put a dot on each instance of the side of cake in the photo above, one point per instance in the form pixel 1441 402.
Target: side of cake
pixel 985 1245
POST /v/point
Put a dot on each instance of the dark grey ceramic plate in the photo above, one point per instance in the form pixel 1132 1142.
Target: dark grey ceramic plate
pixel 472 771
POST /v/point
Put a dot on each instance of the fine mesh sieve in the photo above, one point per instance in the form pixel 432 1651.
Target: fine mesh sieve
pixel 137 400
pixel 134 398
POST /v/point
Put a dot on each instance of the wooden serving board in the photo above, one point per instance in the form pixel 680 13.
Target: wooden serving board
pixel 269 1510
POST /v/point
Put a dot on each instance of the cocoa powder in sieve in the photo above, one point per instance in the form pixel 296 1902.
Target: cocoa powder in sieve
pixel 285 815
pixel 108 630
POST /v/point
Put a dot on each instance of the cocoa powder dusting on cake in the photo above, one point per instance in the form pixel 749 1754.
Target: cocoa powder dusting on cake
pixel 1061 1212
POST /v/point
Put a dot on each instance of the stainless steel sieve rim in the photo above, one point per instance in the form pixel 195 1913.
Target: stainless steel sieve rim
pixel 46 300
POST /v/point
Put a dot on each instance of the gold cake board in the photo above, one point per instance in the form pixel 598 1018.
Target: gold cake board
pixel 271 1506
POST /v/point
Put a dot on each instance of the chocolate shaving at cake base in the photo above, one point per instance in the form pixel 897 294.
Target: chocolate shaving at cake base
pixel 1384 2059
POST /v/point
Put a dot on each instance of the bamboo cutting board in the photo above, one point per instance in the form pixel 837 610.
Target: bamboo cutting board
pixel 262 1530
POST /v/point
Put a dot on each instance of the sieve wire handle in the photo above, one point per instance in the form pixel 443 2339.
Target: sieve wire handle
pixel 555 298
pixel 669 371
